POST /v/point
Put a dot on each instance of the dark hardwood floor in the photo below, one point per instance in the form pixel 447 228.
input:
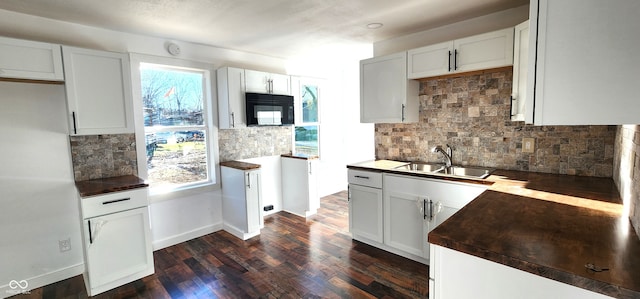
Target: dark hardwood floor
pixel 292 258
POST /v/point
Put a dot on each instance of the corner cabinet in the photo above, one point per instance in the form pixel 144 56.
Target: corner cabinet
pixel 483 51
pixel 415 206
pixel 586 62
pixel 29 60
pixel 241 202
pixel 98 86
pixel 365 206
pixel 386 95
pixel 300 186
pixel 231 101
pixel 262 82
pixel 117 239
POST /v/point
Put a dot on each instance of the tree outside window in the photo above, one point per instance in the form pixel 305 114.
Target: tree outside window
pixel 174 125
pixel 306 133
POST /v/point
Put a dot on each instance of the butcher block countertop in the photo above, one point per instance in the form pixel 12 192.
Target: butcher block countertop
pixel 550 225
pixel 240 165
pixel 108 185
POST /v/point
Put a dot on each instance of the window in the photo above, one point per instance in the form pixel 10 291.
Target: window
pixel 176 123
pixel 308 125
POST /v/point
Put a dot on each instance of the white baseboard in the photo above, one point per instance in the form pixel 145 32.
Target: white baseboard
pixel 238 232
pixel 186 236
pixel 40 280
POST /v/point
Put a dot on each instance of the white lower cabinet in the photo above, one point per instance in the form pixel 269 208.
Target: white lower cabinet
pixel 365 206
pixel 415 206
pixel 241 202
pixel 300 186
pixel 117 239
pixel 449 268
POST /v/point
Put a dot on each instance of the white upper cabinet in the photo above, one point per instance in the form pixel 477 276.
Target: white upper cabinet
pixel 484 51
pixel 231 101
pixel 520 69
pixel 98 86
pixel 262 82
pixel 586 62
pixel 386 95
pixel 21 59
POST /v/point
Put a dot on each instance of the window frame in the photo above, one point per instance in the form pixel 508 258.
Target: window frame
pixel 299 119
pixel 210 109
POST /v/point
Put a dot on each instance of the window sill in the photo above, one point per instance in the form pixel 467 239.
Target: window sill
pixel 182 192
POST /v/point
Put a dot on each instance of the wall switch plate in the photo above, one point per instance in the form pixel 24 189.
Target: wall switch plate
pixel 65 245
pixel 528 145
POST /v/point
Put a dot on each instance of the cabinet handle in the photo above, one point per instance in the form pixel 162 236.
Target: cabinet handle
pixel 402 112
pixel 449 60
pixel 455 59
pixel 430 210
pixel 349 192
pixel 511 106
pixel 73 115
pixel 233 120
pixel 115 201
pixel 310 170
pixel 424 209
pixel 362 177
pixel 249 180
pixel 90 237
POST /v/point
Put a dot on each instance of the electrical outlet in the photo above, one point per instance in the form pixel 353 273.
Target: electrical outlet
pixel 65 245
pixel 528 145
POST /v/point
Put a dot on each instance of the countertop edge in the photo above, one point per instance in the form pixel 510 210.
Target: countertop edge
pixel 427 175
pixel 535 269
pixel 104 186
pixel 240 165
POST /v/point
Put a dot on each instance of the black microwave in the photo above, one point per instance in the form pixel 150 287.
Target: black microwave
pixel 269 109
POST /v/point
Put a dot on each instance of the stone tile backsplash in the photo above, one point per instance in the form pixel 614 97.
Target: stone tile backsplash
pixel 471 113
pixel 103 156
pixel 253 142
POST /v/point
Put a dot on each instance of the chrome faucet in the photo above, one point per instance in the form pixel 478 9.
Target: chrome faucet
pixel 448 154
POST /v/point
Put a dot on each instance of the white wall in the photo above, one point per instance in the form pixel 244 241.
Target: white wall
pixel 37 195
pixel 487 23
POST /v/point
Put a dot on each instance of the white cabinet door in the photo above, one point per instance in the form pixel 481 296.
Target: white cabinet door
pixel 406 222
pixel 519 111
pixel 483 51
pixel 30 60
pixel 241 202
pixel 365 213
pixel 117 246
pixel 280 84
pixel 262 82
pixel 252 193
pixel 231 101
pixel 300 186
pixel 429 61
pixel 386 95
pixel 586 62
pixel 415 206
pixel 98 86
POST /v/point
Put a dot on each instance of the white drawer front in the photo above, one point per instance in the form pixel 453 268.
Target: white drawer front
pixel 113 202
pixel 365 178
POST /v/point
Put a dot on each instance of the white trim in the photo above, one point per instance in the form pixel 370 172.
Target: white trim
pixel 44 279
pixel 186 236
pixel 239 233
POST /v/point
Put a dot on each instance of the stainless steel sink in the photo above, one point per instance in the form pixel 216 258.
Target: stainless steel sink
pixel 475 172
pixel 422 167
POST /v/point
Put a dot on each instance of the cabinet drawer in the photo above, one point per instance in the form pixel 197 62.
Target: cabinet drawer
pixel 365 178
pixel 113 202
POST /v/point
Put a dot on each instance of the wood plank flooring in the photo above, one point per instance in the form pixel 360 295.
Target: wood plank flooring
pixel 292 258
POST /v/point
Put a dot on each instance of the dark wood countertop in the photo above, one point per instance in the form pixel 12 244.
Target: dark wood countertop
pixel 550 225
pixel 300 156
pixel 108 185
pixel 240 165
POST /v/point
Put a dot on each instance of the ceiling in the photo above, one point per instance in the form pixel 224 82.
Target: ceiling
pixel 279 28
